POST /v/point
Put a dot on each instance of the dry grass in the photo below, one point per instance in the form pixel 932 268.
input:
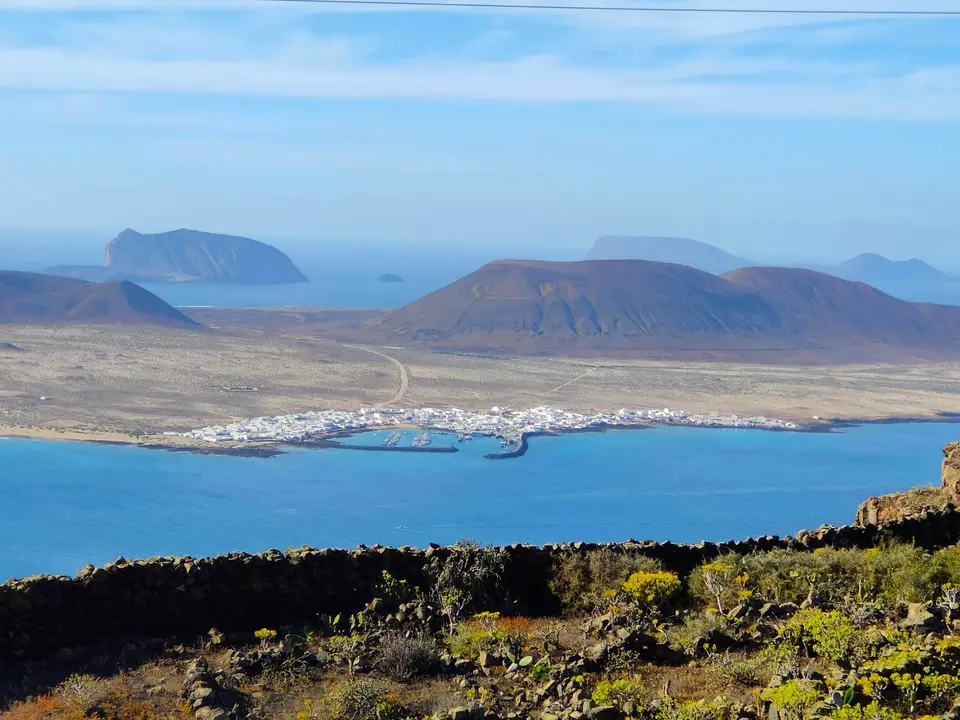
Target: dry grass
pixel 119 379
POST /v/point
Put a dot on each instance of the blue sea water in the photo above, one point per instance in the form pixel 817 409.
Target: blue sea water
pixel 65 504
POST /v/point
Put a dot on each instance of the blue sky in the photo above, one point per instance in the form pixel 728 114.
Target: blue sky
pixel 772 136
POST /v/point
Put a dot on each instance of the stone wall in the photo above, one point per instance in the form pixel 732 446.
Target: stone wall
pixel 165 597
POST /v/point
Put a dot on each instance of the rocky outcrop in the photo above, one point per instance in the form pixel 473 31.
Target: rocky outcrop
pixel 918 501
pixel 167 596
pixel 950 470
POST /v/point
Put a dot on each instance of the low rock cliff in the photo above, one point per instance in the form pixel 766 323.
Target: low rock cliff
pixel 919 500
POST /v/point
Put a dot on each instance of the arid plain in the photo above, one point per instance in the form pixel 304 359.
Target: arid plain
pixel 113 381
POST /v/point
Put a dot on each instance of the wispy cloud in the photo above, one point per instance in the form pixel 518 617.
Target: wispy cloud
pixel 925 95
pixel 703 63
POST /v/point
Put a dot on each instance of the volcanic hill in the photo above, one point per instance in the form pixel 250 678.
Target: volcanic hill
pixel 644 308
pixel 32 298
pixel 682 251
pixel 189 256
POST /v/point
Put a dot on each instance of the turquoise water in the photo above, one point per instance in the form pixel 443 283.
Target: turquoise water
pixel 65 504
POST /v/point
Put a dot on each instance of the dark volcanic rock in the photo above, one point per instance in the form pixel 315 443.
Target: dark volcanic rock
pixel 190 255
pixel 36 298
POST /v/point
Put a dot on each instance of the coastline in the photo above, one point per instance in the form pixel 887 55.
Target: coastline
pixel 265 449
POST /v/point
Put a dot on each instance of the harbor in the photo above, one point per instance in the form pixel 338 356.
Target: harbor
pixel 507 424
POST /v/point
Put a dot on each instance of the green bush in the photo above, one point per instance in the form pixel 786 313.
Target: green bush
pixel 898 574
pixel 694 627
pixel 360 699
pixel 647 592
pixel 794 699
pixel 619 693
pixel 578 581
pixel 893 574
pixel 828 635
pixel 468 578
pixel 873 711
pixel 671 709
pixel 716 583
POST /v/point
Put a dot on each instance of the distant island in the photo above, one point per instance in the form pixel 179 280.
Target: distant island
pixel 867 267
pixel 873 268
pixel 34 298
pixel 642 308
pixel 681 251
pixel 390 278
pixel 188 256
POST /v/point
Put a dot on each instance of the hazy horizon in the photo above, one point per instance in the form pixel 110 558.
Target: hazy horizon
pixel 34 249
pixel 777 138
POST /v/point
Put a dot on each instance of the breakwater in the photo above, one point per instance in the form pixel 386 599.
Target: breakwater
pixel 519 450
pixel 183 596
pixel 337 445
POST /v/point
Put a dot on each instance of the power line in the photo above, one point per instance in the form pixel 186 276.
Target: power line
pixel 631 8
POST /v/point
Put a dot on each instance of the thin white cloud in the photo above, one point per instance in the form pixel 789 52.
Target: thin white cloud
pixel 532 79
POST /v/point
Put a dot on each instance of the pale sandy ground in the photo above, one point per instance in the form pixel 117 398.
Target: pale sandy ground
pixel 107 382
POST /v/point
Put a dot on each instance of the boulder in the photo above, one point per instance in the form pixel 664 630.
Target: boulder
pixel 950 469
pixel 920 620
pixel 605 712
pixel 211 713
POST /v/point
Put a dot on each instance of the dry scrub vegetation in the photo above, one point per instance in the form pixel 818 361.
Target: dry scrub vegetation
pixel 840 634
pixel 123 380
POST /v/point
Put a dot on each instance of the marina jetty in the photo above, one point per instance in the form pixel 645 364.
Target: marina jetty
pixel 394 443
pixel 514 426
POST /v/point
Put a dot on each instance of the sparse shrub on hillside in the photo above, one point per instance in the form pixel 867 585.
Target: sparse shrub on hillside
pixel 890 575
pixel 347 649
pixel 794 699
pixel 672 709
pixel 829 635
pixel 360 699
pixel 578 581
pixel 694 627
pixel 407 658
pixel 648 592
pixel 392 592
pixel 81 691
pixel 469 578
pixel 898 574
pixel 872 711
pixel 946 566
pixel 625 694
pixel 716 582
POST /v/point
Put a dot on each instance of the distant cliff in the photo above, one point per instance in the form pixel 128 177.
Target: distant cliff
pixel 189 256
pixel 872 268
pixel 681 251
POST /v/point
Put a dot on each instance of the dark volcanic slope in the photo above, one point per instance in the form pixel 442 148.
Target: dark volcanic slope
pixel 36 298
pixel 594 306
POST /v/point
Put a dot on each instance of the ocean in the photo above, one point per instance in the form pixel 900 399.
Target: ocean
pixel 347 284
pixel 65 504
